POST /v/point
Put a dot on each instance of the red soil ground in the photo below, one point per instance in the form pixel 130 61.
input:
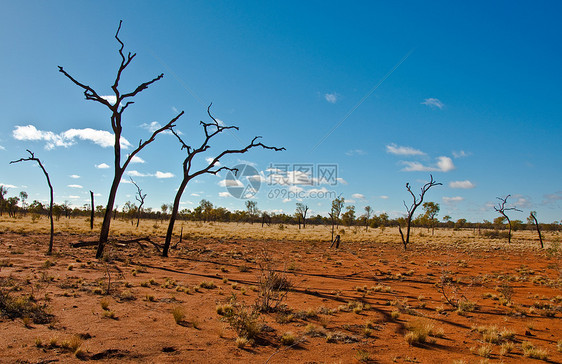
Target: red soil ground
pixel 341 292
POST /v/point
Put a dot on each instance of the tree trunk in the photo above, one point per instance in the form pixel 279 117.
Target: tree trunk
pixel 104 234
pixel 173 217
pixel 92 212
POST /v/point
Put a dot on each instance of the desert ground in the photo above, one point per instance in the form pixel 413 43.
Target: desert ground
pixel 275 294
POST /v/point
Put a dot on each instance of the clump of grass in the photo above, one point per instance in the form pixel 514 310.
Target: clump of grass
pixel 179 314
pixel 226 310
pixel 150 298
pixel 506 348
pixel 288 339
pixel 530 351
pixel 395 314
pixel 104 303
pixel 484 351
pixel 23 307
pixel 241 342
pixel 127 295
pixel 559 346
pixel 314 331
pixel 110 314
pixel 207 285
pixel 71 344
pixel 363 356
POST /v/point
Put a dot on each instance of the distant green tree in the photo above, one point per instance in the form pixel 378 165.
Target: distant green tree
pixel 431 210
pixel 337 206
pixel 348 217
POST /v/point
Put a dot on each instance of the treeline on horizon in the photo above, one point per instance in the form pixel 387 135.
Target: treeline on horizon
pixel 207 212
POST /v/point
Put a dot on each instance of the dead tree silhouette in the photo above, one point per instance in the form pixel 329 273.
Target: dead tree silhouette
pixel 117 108
pixel 211 130
pixel 502 209
pixel 33 158
pixel 415 204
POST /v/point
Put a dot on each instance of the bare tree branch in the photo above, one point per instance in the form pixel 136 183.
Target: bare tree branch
pixel 33 158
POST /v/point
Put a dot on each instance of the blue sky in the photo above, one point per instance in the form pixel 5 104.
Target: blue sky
pixel 470 93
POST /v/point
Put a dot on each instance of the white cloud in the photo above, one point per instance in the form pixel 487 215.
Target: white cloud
pixel 210 159
pixel 341 180
pixel 73 196
pixel 444 164
pixel 102 166
pixel 358 196
pixel 134 173
pixel 163 174
pixel 75 186
pixel 224 194
pixel 353 152
pixel 400 150
pixel 433 103
pixel 295 189
pixel 461 154
pixel 137 159
pixel 8 186
pixel 461 184
pixel 75 176
pixel 384 197
pixel 285 200
pixel 331 98
pixel 2 148
pixel 195 194
pixel 349 200
pixel 153 126
pixel 67 138
pixel 112 99
pixel 452 200
pixel 230 183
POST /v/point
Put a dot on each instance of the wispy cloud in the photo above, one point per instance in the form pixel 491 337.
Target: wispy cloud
pixel 75 186
pixel 461 154
pixel 552 198
pixel 401 150
pixel 158 174
pixel 358 196
pixel 153 126
pixel 384 197
pixel 164 174
pixel 2 148
pixel 102 166
pixel 75 176
pixel 452 200
pixel 444 164
pixel 224 194
pixel 331 98
pixel 67 138
pixel 462 184
pixel 8 185
pixel 353 152
pixel 137 159
pixel 210 159
pixel 433 103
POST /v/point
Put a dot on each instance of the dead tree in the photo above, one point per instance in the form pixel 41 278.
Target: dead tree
pixel 502 209
pixel 121 103
pixel 140 198
pixel 533 218
pixel 92 211
pixel 33 158
pixel 302 210
pixel 415 204
pixel 211 129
